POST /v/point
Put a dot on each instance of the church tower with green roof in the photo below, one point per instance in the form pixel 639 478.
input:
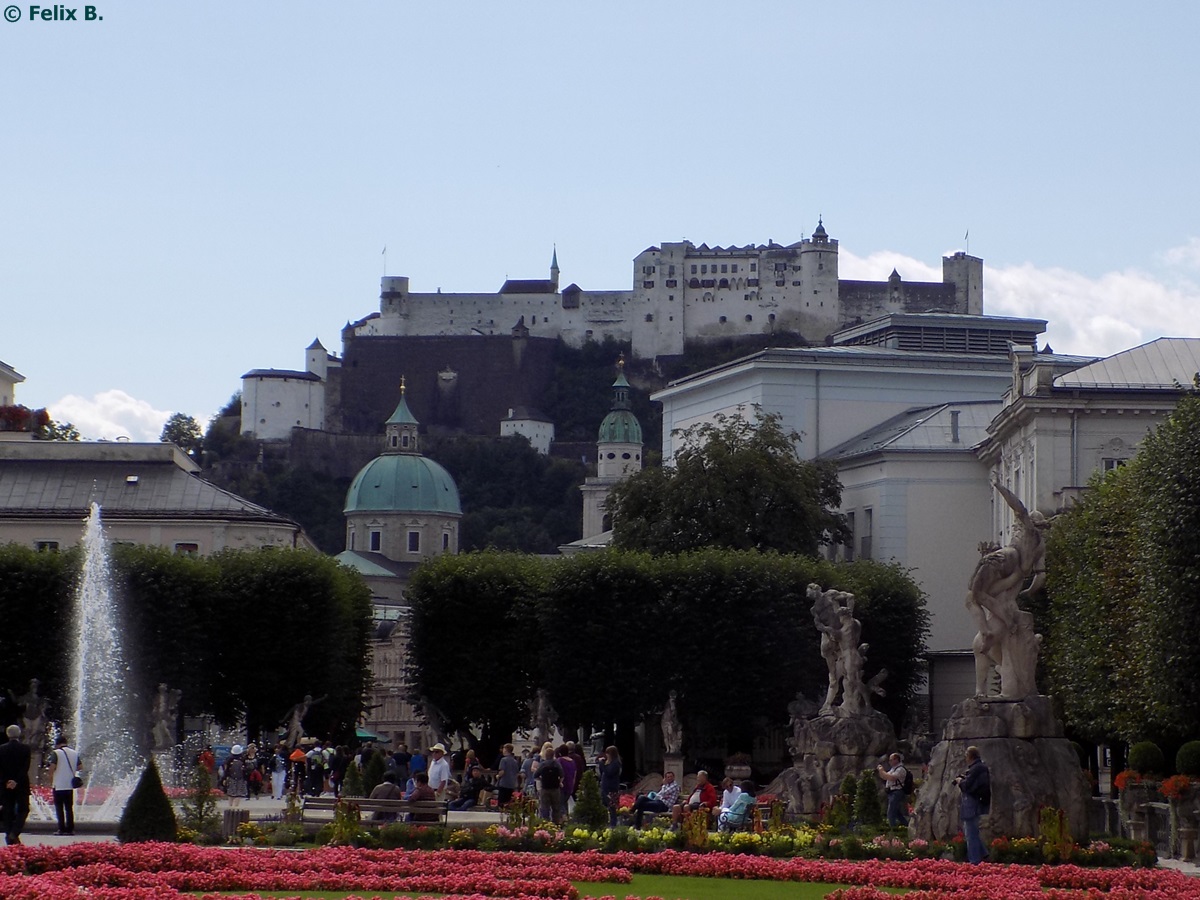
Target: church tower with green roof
pixel 618 455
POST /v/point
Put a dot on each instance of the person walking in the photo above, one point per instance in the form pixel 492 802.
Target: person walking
pixel 278 767
pixel 65 766
pixel 975 784
pixel 15 758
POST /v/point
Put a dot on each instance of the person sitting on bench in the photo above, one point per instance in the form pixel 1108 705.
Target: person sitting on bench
pixel 655 802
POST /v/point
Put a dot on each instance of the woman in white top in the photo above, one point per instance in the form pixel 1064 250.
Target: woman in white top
pixel 64 766
pixel 729 793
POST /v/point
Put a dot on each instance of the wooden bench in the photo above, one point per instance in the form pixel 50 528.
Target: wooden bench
pixel 319 810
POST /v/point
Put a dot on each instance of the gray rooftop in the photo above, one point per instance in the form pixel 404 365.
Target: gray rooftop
pixel 924 429
pixel 1161 364
pixel 60 479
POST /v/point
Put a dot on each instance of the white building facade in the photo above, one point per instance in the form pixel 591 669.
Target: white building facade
pixel 274 401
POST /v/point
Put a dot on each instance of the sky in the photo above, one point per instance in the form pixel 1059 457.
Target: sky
pixel 195 190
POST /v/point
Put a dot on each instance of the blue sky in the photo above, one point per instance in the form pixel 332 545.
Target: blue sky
pixel 197 189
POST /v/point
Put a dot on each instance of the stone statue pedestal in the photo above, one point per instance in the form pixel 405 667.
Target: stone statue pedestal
pixel 825 750
pixel 673 762
pixel 1031 764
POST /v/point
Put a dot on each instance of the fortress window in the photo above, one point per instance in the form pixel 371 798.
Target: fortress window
pixel 780 267
pixel 394 439
pixel 745 297
pixel 671 282
pixel 187 549
pixel 780 283
pixel 647 284
pixel 46 546
pixel 414 542
pixel 670 270
pixel 670 298
pixel 376 540
pixel 624 456
pixel 749 318
pixel 649 317
pixel 445 540
pixel 753 267
pixel 733 268
pixel 771 317
pixel 693 268
pixel 722 320
pixel 611 456
pixel 795 284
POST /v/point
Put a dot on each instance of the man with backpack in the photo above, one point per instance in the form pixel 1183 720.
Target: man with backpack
pixel 976 801
pixel 550 782
pixel 898 784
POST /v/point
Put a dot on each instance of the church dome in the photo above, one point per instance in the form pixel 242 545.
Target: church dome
pixel 403 483
pixel 620 427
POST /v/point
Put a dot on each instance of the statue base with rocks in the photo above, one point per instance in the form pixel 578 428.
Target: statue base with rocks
pixel 1031 764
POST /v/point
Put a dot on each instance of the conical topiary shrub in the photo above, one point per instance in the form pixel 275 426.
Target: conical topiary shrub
pixel 589 808
pixel 148 815
pixel 352 784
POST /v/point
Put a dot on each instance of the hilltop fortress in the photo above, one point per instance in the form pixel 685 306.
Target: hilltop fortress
pixel 471 359
pixel 681 294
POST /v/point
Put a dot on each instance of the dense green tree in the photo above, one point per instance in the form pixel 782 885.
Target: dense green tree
pixel 1123 575
pixel 184 431
pixel 513 497
pixel 60 431
pixel 1093 597
pixel 735 483
pixel 168 599
pixel 311 618
pixel 473 642
pixel 609 634
pixel 36 590
pixel 240 633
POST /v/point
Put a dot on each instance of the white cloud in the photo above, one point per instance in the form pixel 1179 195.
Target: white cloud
pixel 1184 257
pixel 1086 316
pixel 109 415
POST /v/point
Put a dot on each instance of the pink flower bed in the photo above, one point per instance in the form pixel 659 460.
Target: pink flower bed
pixel 176 872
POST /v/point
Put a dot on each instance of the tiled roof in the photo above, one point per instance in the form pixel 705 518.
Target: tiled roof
pixel 151 486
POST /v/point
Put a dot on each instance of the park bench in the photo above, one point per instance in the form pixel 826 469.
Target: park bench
pixel 319 810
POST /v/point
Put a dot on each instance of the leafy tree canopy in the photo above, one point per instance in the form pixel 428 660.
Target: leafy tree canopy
pixel 184 431
pixel 609 634
pixel 735 483
pixel 1123 574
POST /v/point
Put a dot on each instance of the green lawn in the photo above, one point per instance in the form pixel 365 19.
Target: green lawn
pixel 669 887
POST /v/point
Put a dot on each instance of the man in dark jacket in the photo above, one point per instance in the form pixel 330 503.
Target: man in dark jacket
pixel 14 784
pixel 975 784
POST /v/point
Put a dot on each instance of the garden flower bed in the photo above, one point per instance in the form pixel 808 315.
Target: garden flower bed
pixel 173 872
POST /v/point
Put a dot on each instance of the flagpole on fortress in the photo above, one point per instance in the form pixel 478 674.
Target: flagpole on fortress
pixel 385 259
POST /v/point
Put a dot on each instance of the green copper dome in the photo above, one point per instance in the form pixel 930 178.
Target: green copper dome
pixel 620 427
pixel 403 483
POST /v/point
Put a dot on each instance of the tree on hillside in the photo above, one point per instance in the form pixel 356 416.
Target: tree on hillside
pixel 184 431
pixel 735 483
